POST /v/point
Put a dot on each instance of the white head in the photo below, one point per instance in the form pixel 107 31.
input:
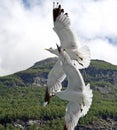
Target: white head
pixel 53 51
pixel 50 49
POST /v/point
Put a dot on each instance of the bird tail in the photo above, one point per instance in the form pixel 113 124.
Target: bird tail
pixel 72 115
pixel 84 56
pixel 87 100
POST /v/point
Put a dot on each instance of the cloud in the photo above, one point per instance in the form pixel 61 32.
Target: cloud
pixel 103 50
pixel 26 29
pixel 93 17
pixel 24 35
pixel 95 23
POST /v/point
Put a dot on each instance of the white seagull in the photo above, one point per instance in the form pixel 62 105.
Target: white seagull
pixel 77 93
pixel 81 56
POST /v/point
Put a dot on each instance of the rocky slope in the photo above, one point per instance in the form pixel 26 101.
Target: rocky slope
pixel 99 72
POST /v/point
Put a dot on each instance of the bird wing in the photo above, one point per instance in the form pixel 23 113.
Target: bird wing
pixel 72 115
pixel 84 56
pixel 74 77
pixel 55 78
pixel 62 28
pixel 81 55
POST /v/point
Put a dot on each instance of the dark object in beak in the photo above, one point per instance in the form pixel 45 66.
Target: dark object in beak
pixel 59 48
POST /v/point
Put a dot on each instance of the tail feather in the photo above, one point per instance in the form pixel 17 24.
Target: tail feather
pixel 72 115
pixel 81 55
pixel 84 56
pixel 87 99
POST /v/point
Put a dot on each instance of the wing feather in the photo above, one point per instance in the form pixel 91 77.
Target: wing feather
pixel 63 30
pixel 82 55
pixel 75 79
pixel 72 115
pixel 55 78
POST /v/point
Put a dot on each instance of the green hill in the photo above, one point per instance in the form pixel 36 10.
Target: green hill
pixel 22 95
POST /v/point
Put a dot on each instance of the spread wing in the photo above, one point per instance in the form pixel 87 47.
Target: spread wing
pixel 55 78
pixel 62 28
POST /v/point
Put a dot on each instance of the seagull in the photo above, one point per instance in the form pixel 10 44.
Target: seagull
pixel 67 37
pixel 77 93
pixel 80 56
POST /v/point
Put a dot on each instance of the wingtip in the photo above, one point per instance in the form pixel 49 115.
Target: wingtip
pixel 45 104
pixel 53 5
pixel 47 97
pixel 65 127
pixel 56 10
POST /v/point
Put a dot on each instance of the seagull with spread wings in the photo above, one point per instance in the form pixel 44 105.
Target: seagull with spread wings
pixel 77 93
pixel 80 56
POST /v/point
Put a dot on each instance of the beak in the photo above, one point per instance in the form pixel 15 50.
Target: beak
pixel 46 49
pixel 59 48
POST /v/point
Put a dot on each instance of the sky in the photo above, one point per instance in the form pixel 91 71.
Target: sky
pixel 26 29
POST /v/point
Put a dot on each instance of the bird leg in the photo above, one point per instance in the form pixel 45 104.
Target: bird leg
pixel 79 62
pixel 81 58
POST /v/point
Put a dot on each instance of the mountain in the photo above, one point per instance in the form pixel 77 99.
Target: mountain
pixel 99 72
pixel 30 83
pixel 102 75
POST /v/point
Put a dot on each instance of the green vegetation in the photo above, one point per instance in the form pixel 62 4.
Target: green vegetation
pixel 22 104
pixel 103 65
pixel 26 103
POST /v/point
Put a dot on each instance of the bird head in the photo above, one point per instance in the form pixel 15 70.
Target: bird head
pixel 53 51
pixel 49 49
pixel 60 49
pixel 63 55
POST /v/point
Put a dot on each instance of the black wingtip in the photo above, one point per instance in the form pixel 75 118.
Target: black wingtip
pixel 47 97
pixel 65 127
pixel 56 10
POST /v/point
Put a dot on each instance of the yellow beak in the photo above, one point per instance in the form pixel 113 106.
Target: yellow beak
pixel 46 49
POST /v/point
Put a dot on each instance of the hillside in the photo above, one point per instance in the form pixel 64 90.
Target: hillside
pixel 98 71
pixel 22 94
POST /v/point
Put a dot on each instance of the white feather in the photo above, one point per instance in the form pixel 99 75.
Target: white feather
pixel 78 95
pixel 72 115
pixel 68 42
pixel 55 78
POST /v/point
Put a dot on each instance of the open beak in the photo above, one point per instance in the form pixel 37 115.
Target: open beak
pixel 59 48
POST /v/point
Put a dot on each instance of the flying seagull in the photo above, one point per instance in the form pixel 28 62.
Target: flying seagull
pixel 77 93
pixel 80 56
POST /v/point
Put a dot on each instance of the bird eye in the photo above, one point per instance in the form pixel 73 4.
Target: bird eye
pixel 63 49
